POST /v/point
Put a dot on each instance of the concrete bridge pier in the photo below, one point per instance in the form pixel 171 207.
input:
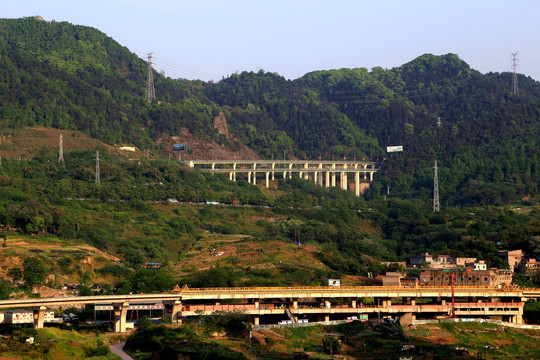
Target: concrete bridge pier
pixel 120 313
pixel 39 316
pixel 173 310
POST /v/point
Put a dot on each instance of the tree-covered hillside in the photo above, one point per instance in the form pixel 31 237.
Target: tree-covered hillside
pixel 273 115
pixel 488 143
pixel 74 77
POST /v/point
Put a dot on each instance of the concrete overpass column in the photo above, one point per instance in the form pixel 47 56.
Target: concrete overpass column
pixel 327 180
pixel 213 166
pixel 357 183
pixel 344 177
pixel 327 304
pixel 257 304
pixel 273 167
pixel 290 168
pixel 254 178
pixel 191 164
pixel 173 310
pixel 120 312
pixel 306 166
pixel 295 304
pixel 333 175
pixel 234 172
pixel 231 176
pixel 315 174
pixel 267 179
pixel 343 180
pixel 371 175
pixel 249 177
pixel 326 317
pixel 413 302
pixel 353 303
pixel 39 316
pixel 519 316
pixel 256 320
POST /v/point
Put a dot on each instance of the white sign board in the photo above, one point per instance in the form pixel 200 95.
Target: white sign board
pixel 394 148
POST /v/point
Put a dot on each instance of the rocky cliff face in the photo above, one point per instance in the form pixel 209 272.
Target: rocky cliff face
pixel 200 149
pixel 220 123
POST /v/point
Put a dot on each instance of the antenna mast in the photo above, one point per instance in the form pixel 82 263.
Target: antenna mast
pixel 150 91
pixel 98 181
pixel 436 204
pixel 61 150
pixel 515 89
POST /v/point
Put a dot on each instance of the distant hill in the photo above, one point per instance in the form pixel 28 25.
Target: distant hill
pixel 69 77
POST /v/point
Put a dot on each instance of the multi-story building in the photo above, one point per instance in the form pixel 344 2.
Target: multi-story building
pixel 479 265
pixel 432 261
pixel 531 266
pixel 465 277
pixel 512 257
pixel 399 279
pixel 24 317
pixel 465 262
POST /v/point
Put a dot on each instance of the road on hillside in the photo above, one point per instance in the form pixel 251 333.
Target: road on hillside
pixel 117 349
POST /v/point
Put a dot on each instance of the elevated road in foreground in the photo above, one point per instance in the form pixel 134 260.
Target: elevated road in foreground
pixel 318 301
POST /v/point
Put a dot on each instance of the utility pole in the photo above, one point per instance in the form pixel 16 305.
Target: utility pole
pixel 436 204
pixel 150 91
pixel 61 150
pixel 515 89
pixel 98 180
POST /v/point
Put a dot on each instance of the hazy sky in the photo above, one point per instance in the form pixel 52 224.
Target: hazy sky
pixel 209 39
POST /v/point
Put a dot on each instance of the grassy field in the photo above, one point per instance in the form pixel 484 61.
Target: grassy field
pixel 56 344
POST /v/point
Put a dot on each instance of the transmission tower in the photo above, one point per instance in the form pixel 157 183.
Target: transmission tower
pixel 439 122
pixel 515 89
pixel 98 181
pixel 436 204
pixel 150 91
pixel 61 149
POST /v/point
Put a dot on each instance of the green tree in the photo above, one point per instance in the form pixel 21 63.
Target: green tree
pixel 15 274
pixel 34 271
pixel 331 345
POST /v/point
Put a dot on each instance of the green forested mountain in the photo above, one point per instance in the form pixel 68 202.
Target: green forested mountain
pixel 74 77
pixel 487 143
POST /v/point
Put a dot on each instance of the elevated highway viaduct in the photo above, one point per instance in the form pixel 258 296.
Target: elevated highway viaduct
pixel 268 304
pixel 323 172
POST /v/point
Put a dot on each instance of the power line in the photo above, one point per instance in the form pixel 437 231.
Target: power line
pixel 183 71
